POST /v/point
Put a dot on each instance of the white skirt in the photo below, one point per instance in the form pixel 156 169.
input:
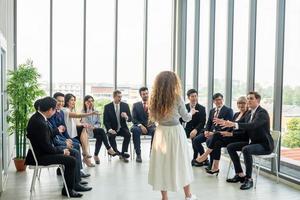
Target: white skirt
pixel 170 164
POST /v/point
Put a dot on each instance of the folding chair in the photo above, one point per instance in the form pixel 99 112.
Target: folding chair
pixel 274 155
pixel 37 171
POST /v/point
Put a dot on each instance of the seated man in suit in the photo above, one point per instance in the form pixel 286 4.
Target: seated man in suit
pixel 257 127
pixel 141 124
pixel 39 134
pixel 115 118
pixel 194 127
pixel 220 111
pixel 62 138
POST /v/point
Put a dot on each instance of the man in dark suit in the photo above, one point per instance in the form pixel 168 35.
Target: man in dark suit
pixel 115 118
pixel 39 134
pixel 220 111
pixel 141 124
pixel 257 127
pixel 196 126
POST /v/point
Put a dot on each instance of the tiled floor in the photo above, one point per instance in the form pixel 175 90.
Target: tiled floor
pixel 115 180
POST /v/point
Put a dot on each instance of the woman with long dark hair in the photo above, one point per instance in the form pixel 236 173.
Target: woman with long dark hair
pixel 77 129
pixel 94 128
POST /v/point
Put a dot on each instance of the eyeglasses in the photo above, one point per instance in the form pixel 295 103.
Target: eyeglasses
pixel 241 102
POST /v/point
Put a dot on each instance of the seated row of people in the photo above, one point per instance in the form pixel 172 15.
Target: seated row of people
pixel 247 131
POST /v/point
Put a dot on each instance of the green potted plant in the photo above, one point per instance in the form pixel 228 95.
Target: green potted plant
pixel 23 89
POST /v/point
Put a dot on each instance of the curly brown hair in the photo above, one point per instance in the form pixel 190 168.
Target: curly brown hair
pixel 165 93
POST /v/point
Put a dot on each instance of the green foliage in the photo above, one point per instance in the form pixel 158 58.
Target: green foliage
pixel 292 136
pixel 23 89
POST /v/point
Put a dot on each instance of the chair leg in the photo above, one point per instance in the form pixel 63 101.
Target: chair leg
pixel 229 168
pixel 39 174
pixel 276 165
pixel 130 146
pixel 257 172
pixel 64 181
pixel 33 180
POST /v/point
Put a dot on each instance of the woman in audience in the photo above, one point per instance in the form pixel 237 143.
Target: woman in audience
pixel 76 128
pixel 223 138
pixel 94 128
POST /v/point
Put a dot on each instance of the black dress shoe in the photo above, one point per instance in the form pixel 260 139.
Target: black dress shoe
pixel 207 168
pixel 83 182
pixel 58 173
pixel 72 193
pixel 125 155
pixel 236 179
pixel 213 172
pixel 81 188
pixel 247 184
pixel 123 159
pixel 84 175
pixel 206 163
pixel 196 163
pixel 139 159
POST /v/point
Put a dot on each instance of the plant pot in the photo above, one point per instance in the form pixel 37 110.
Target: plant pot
pixel 20 164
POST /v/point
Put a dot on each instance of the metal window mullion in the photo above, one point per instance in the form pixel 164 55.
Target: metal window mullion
pixel 252 46
pixel 116 45
pixel 145 42
pixel 228 83
pixel 173 36
pixel 211 54
pixel 279 70
pixel 196 44
pixel 84 48
pixel 51 49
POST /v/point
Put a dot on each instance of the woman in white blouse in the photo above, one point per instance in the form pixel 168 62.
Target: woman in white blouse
pixel 75 128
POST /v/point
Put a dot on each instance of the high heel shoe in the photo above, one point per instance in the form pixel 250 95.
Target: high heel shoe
pixel 111 152
pixel 88 162
pixel 86 155
pixel 213 172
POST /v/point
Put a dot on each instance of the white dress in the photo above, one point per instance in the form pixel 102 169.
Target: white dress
pixel 170 168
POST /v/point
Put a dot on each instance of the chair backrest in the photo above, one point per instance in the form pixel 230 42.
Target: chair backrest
pixel 276 137
pixel 32 151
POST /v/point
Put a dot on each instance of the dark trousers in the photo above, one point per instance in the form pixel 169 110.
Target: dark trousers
pixel 123 132
pixel 77 155
pixel 217 141
pixel 69 163
pixel 136 134
pixel 196 151
pixel 247 150
pixel 100 136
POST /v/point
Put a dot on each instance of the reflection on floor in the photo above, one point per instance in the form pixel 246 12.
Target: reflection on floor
pixel 116 180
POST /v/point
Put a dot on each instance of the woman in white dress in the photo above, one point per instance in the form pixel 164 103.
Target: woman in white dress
pixel 170 167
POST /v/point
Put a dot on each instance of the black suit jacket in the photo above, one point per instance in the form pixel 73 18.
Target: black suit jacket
pixel 225 113
pixel 258 129
pixel 110 118
pixel 240 134
pixel 198 119
pixel 40 136
pixel 139 116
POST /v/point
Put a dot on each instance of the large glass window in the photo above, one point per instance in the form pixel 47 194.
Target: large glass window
pixel 220 45
pixel 33 37
pixel 130 49
pixel 203 51
pixel 100 22
pixel 290 145
pixel 265 52
pixel 240 50
pixel 189 75
pixel 159 38
pixel 68 47
pixel 265 56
